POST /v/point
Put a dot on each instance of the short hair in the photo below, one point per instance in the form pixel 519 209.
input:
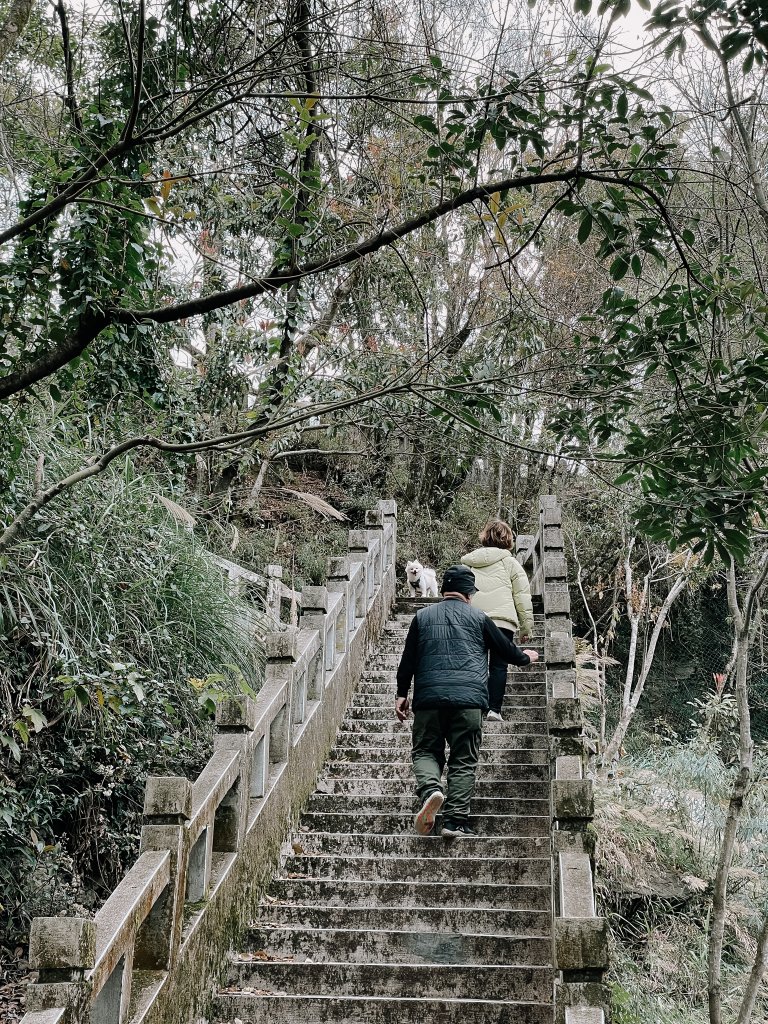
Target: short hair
pixel 497 534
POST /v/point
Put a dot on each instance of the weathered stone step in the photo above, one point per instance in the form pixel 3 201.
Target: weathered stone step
pixel 364 821
pixel 382 979
pixel 497 870
pixel 447 918
pixel 343 944
pixel 486 771
pixel 401 738
pixel 406 803
pixel 514 722
pixel 427 847
pixel 385 785
pixel 315 1009
pixel 536 701
pixel 393 643
pixel 390 660
pixel 404 893
pixel 378 681
pixel 382 718
pixel 400 754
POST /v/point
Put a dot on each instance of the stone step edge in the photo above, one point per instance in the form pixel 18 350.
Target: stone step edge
pixel 398 1000
pixel 352 812
pixel 347 882
pixel 310 929
pixel 440 968
pixel 355 858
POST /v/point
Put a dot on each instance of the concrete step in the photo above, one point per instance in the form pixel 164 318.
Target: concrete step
pixel 378 681
pixel 405 893
pixel 400 754
pixel 315 1009
pixel 400 737
pixel 486 771
pixel 422 847
pixel 382 719
pixel 363 821
pixel 431 981
pixel 496 870
pixel 445 919
pixel 385 785
pixel 526 721
pixel 389 661
pixel 323 945
pixel 534 701
pixel 406 803
pixel 395 642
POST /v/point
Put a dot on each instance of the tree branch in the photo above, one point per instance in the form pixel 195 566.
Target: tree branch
pixel 71 100
pixel 97 465
pixel 276 278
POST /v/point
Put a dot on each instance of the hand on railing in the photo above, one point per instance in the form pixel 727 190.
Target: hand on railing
pixel 533 655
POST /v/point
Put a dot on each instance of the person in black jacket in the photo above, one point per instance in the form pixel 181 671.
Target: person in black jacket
pixel 446 656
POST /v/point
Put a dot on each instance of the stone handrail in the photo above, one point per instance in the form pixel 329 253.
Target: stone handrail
pixel 580 936
pixel 274 591
pixel 209 847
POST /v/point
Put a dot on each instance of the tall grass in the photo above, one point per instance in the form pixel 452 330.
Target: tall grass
pixel 659 825
pixel 115 628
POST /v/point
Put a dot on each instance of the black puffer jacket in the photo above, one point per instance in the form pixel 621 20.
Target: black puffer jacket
pixel 446 655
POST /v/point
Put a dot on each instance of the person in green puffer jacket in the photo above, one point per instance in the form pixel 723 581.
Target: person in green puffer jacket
pixel 504 594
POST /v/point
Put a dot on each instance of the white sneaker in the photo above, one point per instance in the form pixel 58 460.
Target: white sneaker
pixel 424 820
pixel 494 716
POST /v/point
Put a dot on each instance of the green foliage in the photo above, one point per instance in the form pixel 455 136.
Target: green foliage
pixel 117 635
pixel 696 450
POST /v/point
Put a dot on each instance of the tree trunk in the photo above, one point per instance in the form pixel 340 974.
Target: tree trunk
pixel 14 24
pixel 756 976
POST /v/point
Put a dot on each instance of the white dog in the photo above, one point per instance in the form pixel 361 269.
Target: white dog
pixel 421 580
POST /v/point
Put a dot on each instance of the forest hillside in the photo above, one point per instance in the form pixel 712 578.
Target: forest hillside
pixel 263 265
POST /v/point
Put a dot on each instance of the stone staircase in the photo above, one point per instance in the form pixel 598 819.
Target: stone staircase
pixel 368 922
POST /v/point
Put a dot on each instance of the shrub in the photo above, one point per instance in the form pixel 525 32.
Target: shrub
pixel 117 630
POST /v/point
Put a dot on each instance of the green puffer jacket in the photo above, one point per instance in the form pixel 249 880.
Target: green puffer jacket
pixel 504 592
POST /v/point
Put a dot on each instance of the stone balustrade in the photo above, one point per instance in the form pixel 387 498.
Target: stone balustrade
pixel 580 936
pixel 270 588
pixel 209 847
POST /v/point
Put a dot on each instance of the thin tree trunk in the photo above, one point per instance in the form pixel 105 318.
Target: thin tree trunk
pixel 756 976
pixel 630 706
pixel 14 24
pixel 742 623
pixel 599 658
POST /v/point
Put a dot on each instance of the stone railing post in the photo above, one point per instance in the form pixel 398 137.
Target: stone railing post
pixel 580 936
pixel 282 652
pixel 235 722
pixel 61 949
pixel 314 615
pixel 167 809
pixel 374 522
pixel 338 583
pixel 359 552
pixel 388 509
pixel 274 590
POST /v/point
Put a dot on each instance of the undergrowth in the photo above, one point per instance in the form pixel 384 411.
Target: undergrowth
pixel 117 634
pixel 659 823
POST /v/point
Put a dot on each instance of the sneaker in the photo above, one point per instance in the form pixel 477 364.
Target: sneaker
pixel 424 820
pixel 494 716
pixel 458 830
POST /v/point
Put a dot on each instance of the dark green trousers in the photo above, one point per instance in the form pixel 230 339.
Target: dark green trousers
pixel 461 729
